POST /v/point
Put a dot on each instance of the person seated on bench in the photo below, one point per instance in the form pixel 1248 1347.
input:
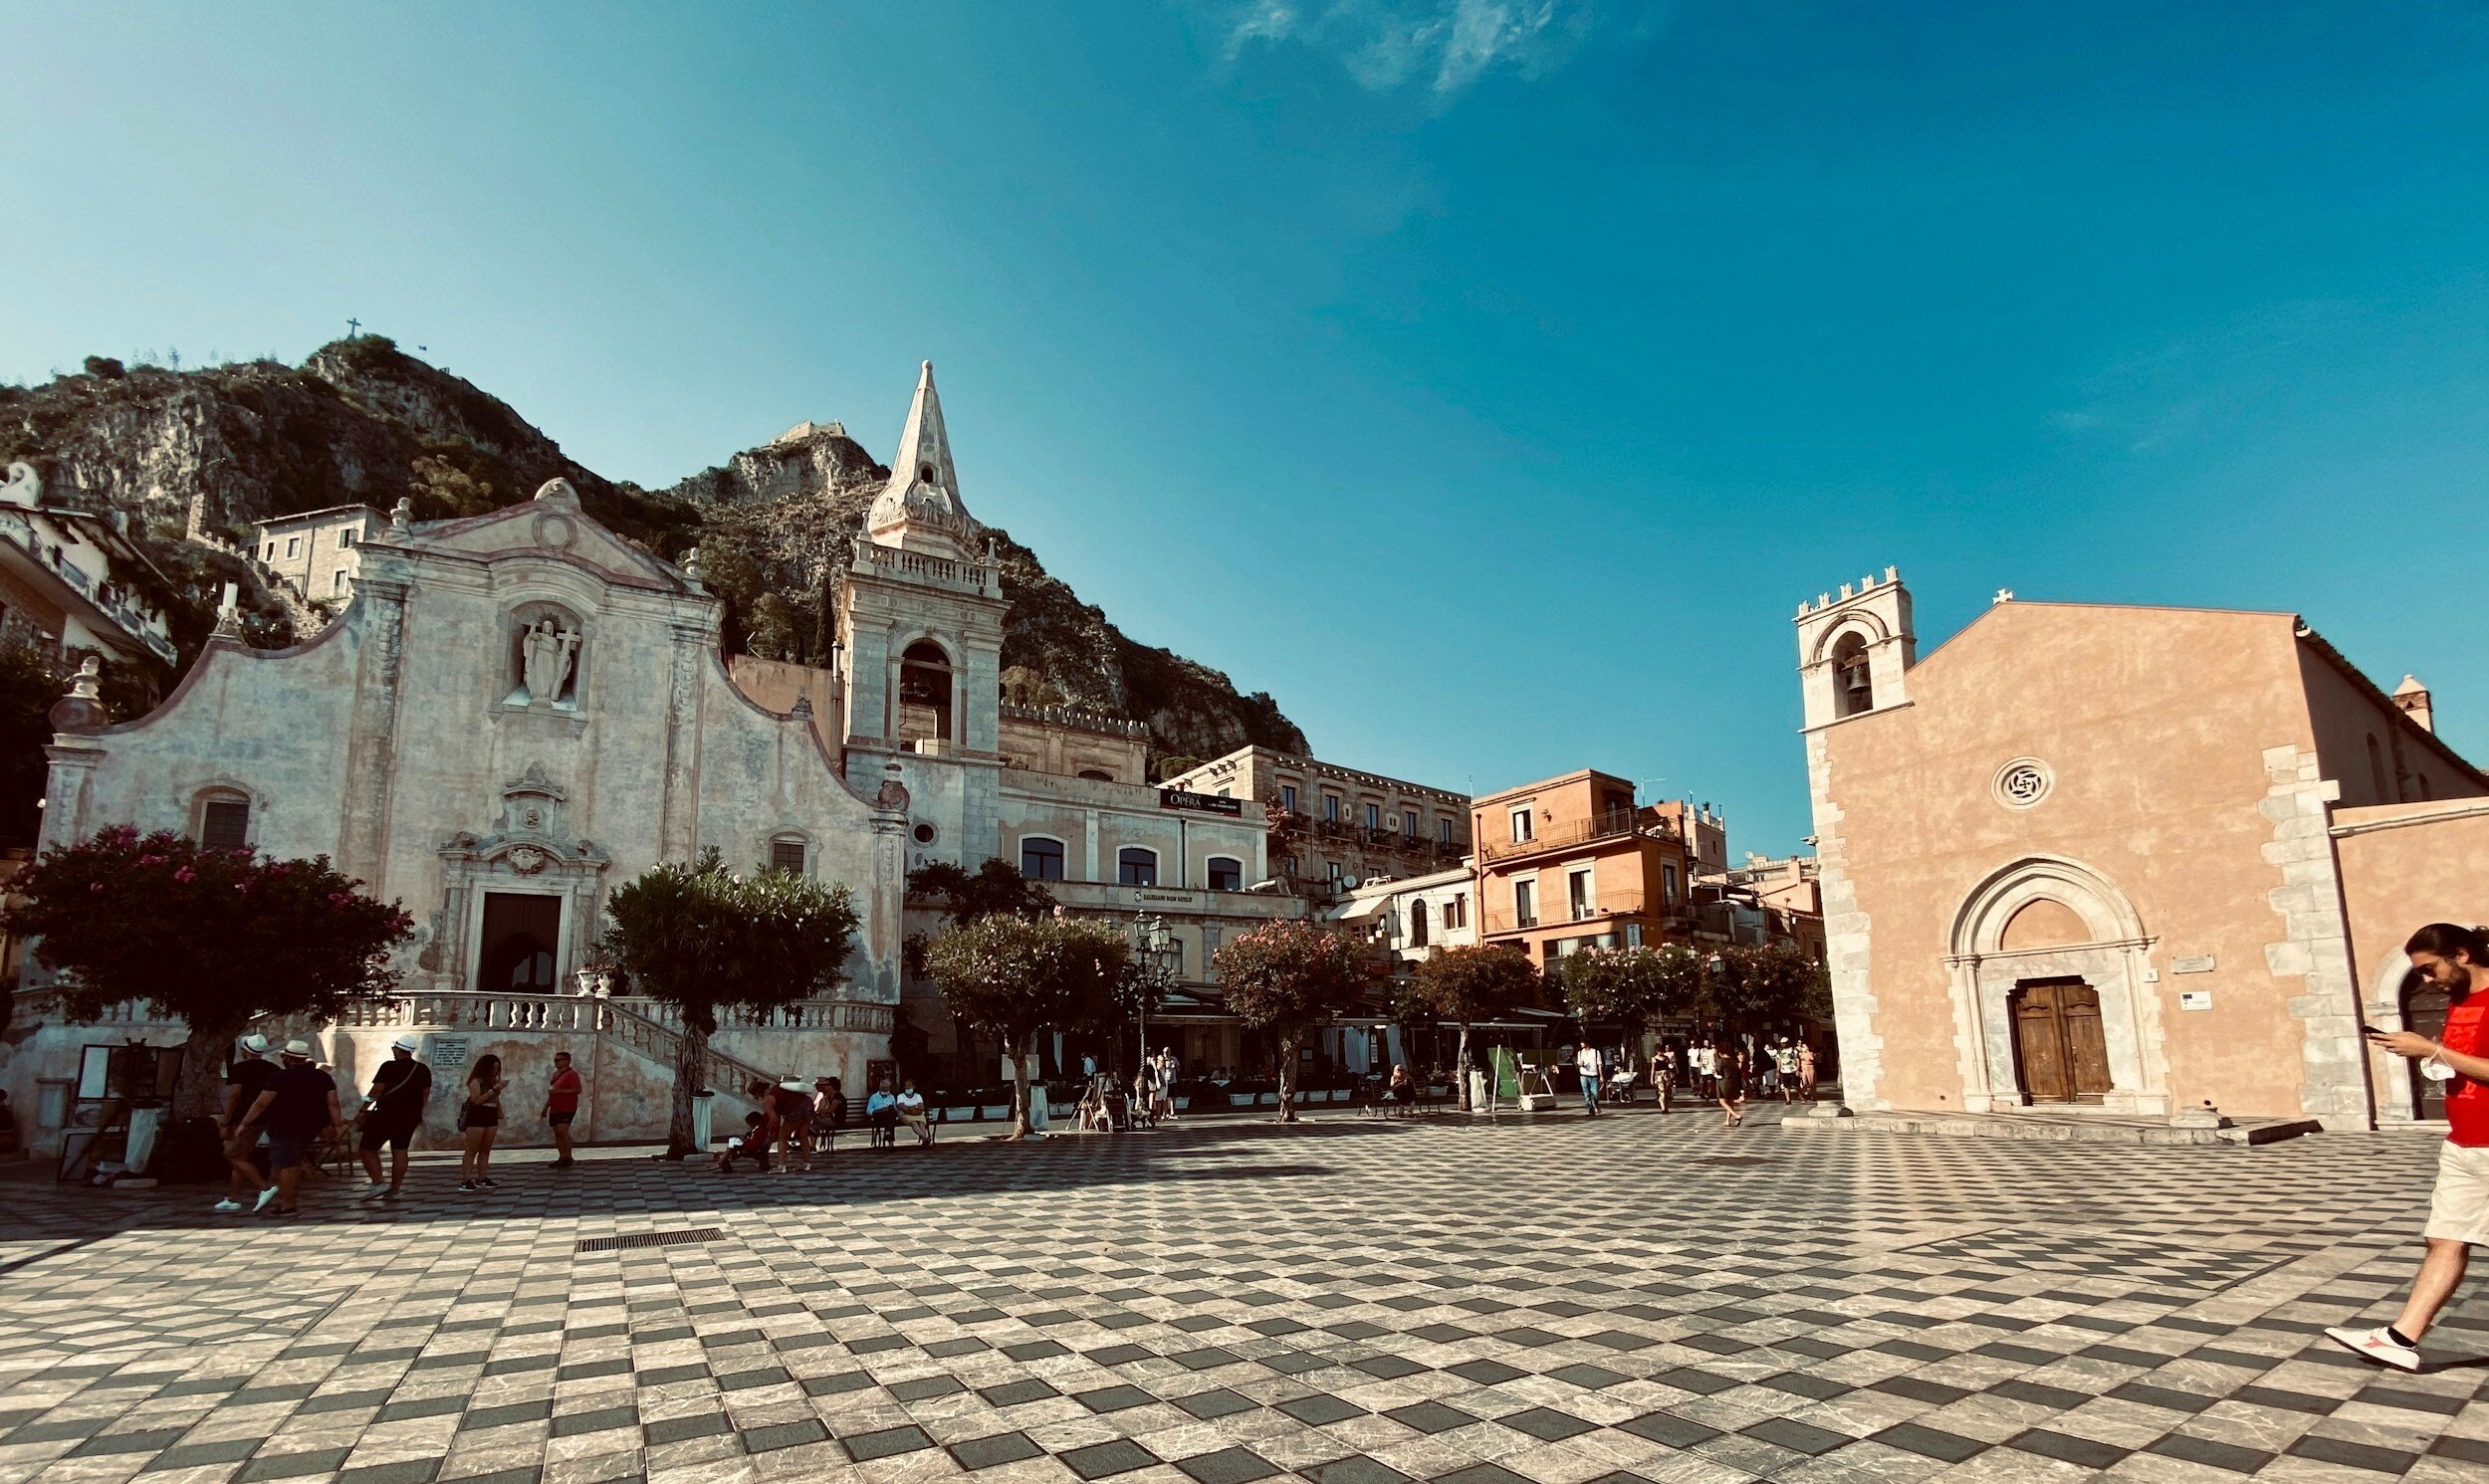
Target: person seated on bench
pixel 829 1111
pixel 881 1111
pixel 1404 1090
pixel 751 1144
pixel 910 1107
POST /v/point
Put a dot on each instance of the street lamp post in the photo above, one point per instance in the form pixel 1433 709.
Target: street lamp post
pixel 1154 947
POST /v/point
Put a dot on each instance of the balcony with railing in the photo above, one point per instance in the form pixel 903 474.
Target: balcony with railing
pixel 1592 912
pixel 1615 824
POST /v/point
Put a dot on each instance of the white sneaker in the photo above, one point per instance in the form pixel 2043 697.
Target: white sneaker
pixel 2375 1345
pixel 372 1191
pixel 265 1198
pixel 229 1205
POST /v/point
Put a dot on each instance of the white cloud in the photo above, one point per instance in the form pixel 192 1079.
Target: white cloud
pixel 1442 44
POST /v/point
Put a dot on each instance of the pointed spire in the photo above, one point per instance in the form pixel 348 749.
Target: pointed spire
pixel 920 509
pixel 924 454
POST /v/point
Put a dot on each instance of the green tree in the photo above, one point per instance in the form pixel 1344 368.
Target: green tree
pixel 966 896
pixel 1471 983
pixel 32 680
pixel 1750 987
pixel 1633 987
pixel 1013 976
pixel 1291 979
pixel 703 939
pixel 213 937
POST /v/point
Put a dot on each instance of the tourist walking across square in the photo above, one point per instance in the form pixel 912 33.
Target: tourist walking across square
pixel 561 1105
pixel 245 1080
pixel 1785 1069
pixel 1592 1070
pixel 392 1112
pixel 1806 1069
pixel 2456 959
pixel 298 1108
pixel 479 1120
pixel 1729 1084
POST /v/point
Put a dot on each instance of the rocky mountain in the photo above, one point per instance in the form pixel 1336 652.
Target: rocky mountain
pixel 362 422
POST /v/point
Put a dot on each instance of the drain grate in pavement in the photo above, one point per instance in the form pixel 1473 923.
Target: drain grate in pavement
pixel 650 1239
pixel 1738 1161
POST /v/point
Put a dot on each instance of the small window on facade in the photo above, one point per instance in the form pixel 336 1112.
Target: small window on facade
pixel 1520 825
pixel 1418 932
pixel 1633 935
pixel 1456 910
pixel 1330 806
pixel 1373 816
pixel 1525 903
pixel 345 538
pixel 1040 859
pixel 292 547
pixel 1667 886
pixel 1287 797
pixel 1210 933
pixel 787 856
pixel 1136 866
pixel 1288 865
pixel 225 824
pixel 271 552
pixel 1223 793
pixel 1443 830
pixel 337 580
pixel 1226 873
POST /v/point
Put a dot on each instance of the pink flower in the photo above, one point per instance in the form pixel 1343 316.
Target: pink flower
pixel 95 885
pixel 339 899
pixel 186 874
pixel 151 860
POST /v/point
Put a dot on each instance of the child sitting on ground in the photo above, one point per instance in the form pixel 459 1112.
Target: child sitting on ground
pixel 752 1145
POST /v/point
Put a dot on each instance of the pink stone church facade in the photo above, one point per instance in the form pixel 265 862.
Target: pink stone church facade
pixel 2130 860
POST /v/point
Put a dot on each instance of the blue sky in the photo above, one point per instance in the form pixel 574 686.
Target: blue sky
pixel 1487 379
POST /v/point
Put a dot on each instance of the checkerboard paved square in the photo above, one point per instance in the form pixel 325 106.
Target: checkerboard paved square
pixel 1553 1300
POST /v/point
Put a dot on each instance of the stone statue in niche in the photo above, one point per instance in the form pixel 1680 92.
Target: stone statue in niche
pixel 546 653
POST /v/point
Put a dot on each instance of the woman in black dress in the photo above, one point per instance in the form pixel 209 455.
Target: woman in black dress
pixel 1732 1087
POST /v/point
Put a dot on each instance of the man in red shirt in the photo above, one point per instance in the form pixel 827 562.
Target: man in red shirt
pixel 2456 959
pixel 561 1104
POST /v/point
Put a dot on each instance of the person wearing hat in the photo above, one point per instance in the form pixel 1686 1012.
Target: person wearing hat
pixel 245 1080
pixel 299 1106
pixel 791 1099
pixel 561 1104
pixel 392 1116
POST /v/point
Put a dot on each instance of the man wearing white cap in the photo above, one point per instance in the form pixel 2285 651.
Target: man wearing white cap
pixel 395 1111
pixel 245 1080
pixel 300 1104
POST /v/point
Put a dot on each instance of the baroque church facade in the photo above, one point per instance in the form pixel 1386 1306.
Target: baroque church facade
pixel 518 713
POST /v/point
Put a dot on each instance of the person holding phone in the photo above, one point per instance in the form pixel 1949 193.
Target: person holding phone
pixel 2456 959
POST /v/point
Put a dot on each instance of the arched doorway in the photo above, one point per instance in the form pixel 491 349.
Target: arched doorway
pixel 2049 997
pixel 925 693
pixel 521 936
pixel 2424 1003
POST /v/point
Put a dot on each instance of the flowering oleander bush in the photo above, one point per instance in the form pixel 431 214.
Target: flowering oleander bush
pixel 213 937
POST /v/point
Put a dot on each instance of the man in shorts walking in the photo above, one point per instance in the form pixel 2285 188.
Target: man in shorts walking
pixel 245 1080
pixel 2456 959
pixel 561 1104
pixel 300 1104
pixel 391 1116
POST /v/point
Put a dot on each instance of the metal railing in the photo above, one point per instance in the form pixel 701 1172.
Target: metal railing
pixel 1557 837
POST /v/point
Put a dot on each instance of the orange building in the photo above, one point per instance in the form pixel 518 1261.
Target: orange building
pixel 2128 858
pixel 1572 862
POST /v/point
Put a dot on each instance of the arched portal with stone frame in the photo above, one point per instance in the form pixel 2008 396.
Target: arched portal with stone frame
pixel 2401 998
pixel 2033 932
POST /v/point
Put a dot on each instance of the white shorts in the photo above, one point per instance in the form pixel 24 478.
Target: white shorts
pixel 2459 1209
